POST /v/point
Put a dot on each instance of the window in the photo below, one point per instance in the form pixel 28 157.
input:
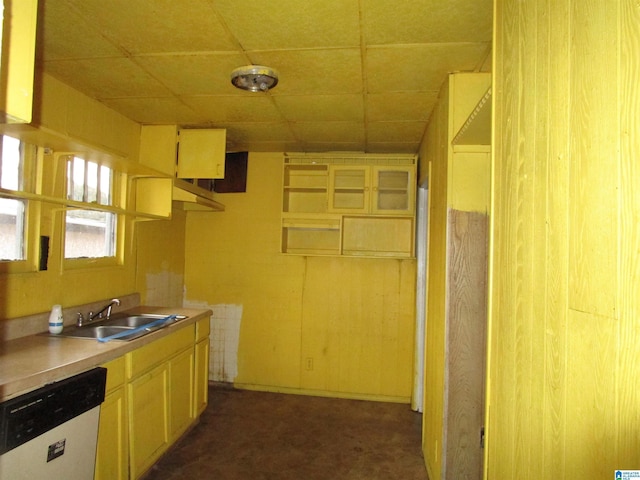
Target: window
pixel 89 233
pixel 16 158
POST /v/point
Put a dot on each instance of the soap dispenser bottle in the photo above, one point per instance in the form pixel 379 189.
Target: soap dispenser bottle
pixel 55 320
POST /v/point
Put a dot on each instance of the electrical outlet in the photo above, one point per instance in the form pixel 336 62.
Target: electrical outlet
pixel 309 364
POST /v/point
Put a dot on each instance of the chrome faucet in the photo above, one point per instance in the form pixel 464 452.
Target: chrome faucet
pixel 99 315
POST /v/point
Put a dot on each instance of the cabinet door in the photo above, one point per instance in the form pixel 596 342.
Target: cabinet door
pixel 201 395
pixel 201 153
pixel 393 190
pixel 158 147
pixel 148 418
pixel 181 392
pixel 112 455
pixel 349 189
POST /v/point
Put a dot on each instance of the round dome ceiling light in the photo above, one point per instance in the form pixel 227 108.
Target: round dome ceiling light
pixel 254 78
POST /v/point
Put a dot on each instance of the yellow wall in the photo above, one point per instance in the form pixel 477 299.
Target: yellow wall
pixel 565 296
pixel 459 182
pixel 352 317
pixel 160 257
pixel 74 119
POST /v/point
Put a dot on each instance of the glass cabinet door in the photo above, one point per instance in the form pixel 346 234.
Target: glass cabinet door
pixel 349 189
pixel 393 190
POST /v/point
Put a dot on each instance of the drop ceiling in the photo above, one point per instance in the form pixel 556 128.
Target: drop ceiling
pixel 354 75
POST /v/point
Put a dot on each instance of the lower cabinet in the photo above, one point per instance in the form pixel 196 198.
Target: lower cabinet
pixel 181 393
pixel 201 376
pixel 149 421
pixel 154 394
pixel 112 455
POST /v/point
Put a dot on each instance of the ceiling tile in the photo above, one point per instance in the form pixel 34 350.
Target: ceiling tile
pixel 393 147
pixel 288 24
pixel 66 35
pixel 168 25
pixel 197 74
pixel 308 108
pixel 250 146
pixel 405 132
pixel 251 107
pixel 260 132
pixel 427 21
pixel 106 77
pixel 150 110
pixel 314 72
pixel 333 147
pixel 341 132
pixel 400 106
pixel 412 68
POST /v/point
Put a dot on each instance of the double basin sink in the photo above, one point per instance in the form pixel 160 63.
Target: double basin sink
pixel 121 327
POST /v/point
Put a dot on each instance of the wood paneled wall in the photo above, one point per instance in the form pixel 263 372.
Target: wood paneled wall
pixel 564 355
pixel 456 293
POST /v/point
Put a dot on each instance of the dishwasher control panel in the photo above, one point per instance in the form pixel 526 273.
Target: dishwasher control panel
pixel 32 414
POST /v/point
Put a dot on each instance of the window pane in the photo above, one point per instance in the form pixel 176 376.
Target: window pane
pixel 11 165
pixel 89 234
pixel 105 185
pixel 12 229
pixel 75 179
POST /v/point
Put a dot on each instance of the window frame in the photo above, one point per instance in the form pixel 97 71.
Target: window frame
pixel 117 259
pixel 32 209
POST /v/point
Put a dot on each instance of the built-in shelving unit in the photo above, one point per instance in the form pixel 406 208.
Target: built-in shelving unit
pixel 349 204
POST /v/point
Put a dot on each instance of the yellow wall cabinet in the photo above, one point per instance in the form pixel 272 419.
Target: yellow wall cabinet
pixel 372 189
pixel 201 153
pixel 182 154
pixel 18 51
pixel 352 205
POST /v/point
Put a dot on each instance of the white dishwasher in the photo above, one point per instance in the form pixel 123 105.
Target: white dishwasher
pixel 51 433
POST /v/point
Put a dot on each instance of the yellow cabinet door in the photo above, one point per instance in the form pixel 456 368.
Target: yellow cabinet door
pixel 181 392
pixel 112 455
pixel 349 189
pixel 201 153
pixel 148 418
pixel 393 190
pixel 201 390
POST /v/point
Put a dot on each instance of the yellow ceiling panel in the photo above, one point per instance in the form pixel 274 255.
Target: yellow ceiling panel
pixel 194 26
pixel 400 106
pixel 354 75
pixel 340 132
pixel 403 132
pixel 332 147
pixel 413 68
pixel 321 107
pixel 69 36
pixel 260 132
pixel 106 77
pixel 393 147
pixel 239 108
pixel 427 21
pixel 288 24
pixel 197 74
pixel 314 72
pixel 154 110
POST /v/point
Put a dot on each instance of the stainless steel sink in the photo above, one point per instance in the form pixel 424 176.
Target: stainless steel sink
pixel 97 332
pixel 135 321
pixel 138 326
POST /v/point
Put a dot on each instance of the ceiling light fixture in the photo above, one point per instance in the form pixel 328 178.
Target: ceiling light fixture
pixel 254 78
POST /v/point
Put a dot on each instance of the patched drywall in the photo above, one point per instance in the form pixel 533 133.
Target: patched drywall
pixel 224 339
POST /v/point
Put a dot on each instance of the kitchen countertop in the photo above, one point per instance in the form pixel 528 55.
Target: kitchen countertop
pixel 30 362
